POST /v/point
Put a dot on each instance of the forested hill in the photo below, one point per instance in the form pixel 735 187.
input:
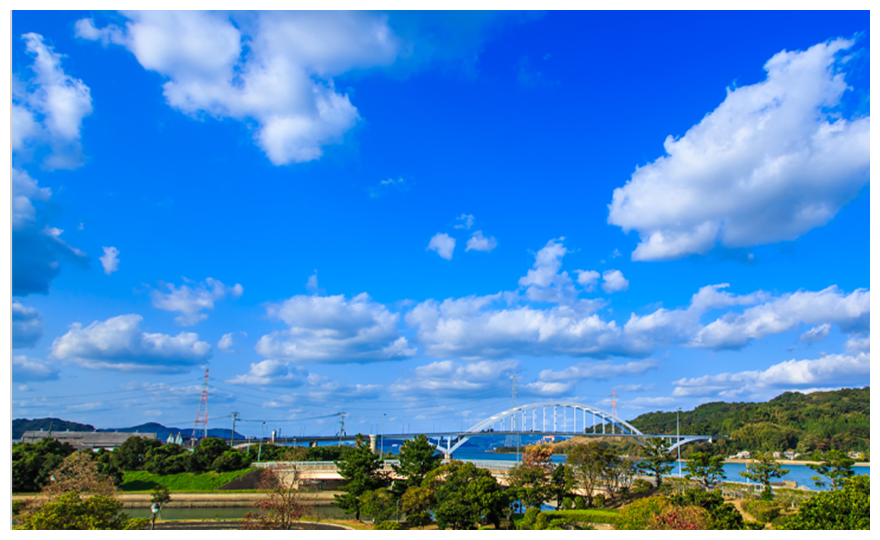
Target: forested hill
pixel 20 425
pixel 840 419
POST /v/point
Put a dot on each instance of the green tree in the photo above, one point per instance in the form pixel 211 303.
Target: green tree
pixel 725 516
pixel 704 468
pixel 530 484
pixel 416 459
pixel 588 462
pixel 363 472
pixel 208 450
pixel 230 460
pixel 656 460
pixel 638 515
pixel 561 483
pixel 835 466
pixel 169 458
pixel 132 453
pixel 619 474
pixel 416 503
pixel 848 508
pixel 106 467
pixel 71 512
pixel 465 495
pixel 32 464
pixel 379 505
pixel 763 470
pixel 79 472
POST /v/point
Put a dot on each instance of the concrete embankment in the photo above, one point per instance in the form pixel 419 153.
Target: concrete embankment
pixel 210 499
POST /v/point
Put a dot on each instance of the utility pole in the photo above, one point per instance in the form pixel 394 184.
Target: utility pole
pixel 232 437
pixel 382 439
pixel 341 426
pixel 260 448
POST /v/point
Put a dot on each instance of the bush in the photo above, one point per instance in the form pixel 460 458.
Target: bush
pixel 608 517
pixel 599 500
pixel 70 512
pixel 567 503
pixel 230 460
pixel 843 509
pixel 681 518
pixel 580 503
pixel 637 516
pixel 387 526
pixel 640 486
pixel 528 521
pixel 762 510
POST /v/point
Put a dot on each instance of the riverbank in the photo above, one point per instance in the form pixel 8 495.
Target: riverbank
pixel 791 462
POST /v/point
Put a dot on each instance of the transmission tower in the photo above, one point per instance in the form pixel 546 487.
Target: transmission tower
pixel 202 414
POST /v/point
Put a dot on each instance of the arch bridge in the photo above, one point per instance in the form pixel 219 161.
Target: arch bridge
pixel 557 418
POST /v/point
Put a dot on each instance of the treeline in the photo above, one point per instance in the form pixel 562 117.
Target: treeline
pixel 806 423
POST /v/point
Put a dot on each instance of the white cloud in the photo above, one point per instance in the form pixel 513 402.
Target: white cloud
pixel 772 162
pixel 25 369
pixel 48 108
pixel 828 370
pixel 613 281
pixel 443 244
pixel 225 344
pixel 451 379
pixel 856 345
pixel 191 301
pixel 118 343
pixel 587 279
pixel 37 249
pixel 465 221
pixel 597 370
pixel 271 69
pixel 110 260
pixel 386 185
pixel 478 242
pixel 269 373
pixel 312 283
pixel 27 326
pixel 815 334
pixel 544 282
pixel 851 312
pixel 331 329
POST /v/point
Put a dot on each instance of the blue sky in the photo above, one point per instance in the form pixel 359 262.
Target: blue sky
pixel 394 213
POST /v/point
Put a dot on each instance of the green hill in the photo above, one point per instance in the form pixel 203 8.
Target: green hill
pixel 20 425
pixel 839 420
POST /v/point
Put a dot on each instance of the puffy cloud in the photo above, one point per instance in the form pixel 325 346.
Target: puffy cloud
pixel 118 343
pixel 733 331
pixel 110 259
pixel 191 301
pixel 48 109
pixel 272 69
pixel 598 370
pixel 269 373
pixel 772 162
pixel 225 344
pixel 544 282
pixel 451 379
pixel 858 344
pixel 478 242
pixel 37 249
pixel 613 281
pixel 331 329
pixel 27 326
pixel 443 244
pixel 587 279
pixel 25 369
pixel 465 221
pixel 817 333
pixel 828 370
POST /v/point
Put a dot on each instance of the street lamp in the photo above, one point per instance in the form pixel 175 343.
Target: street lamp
pixel 260 448
pixel 382 440
pixel 678 440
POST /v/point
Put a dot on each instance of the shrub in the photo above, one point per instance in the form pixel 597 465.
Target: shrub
pixel 640 485
pixel 567 503
pixel 762 510
pixel 681 518
pixel 608 517
pixel 843 509
pixel 580 503
pixel 70 512
pixel 230 460
pixel 528 521
pixel 387 526
pixel 637 516
pixel 599 501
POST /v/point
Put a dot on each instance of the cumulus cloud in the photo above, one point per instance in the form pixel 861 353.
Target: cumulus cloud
pixel 443 244
pixel 544 282
pixel 331 329
pixel 27 326
pixel 613 281
pixel 273 70
pixel 858 344
pixel 225 344
pixel 119 344
pixel 733 331
pixel 478 242
pixel 465 221
pixel 772 162
pixel 587 279
pixel 190 301
pixel 26 369
pixel 110 259
pixel 37 249
pixel 828 370
pixel 269 373
pixel 48 108
pixel 817 333
pixel 452 379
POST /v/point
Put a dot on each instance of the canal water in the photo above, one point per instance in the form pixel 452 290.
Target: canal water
pixel 229 512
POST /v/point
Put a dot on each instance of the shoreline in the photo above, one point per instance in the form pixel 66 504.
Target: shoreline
pixel 791 462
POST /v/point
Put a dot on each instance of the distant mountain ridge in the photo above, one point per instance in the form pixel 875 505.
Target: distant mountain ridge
pixel 20 425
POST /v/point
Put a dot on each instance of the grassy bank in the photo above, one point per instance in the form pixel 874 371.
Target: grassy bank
pixel 192 482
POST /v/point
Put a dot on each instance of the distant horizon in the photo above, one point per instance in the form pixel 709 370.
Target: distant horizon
pixel 419 218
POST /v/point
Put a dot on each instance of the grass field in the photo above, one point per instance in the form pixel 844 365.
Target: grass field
pixel 144 481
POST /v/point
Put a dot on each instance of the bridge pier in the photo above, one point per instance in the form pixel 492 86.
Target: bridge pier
pixel 374 447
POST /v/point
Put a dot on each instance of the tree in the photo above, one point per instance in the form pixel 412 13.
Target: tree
pixel 79 472
pixel 362 470
pixel 230 460
pixel 638 515
pixel 725 517
pixel 169 458
pixel 835 466
pixel 465 495
pixel 657 459
pixel 106 467
pixel 762 470
pixel 281 508
pixel 204 455
pixel 848 508
pixel 530 483
pixel 681 518
pixel 379 505
pixel 132 453
pixel 589 462
pixel 71 512
pixel 561 482
pixel 706 469
pixel 416 459
pixel 416 503
pixel 619 474
pixel 32 464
